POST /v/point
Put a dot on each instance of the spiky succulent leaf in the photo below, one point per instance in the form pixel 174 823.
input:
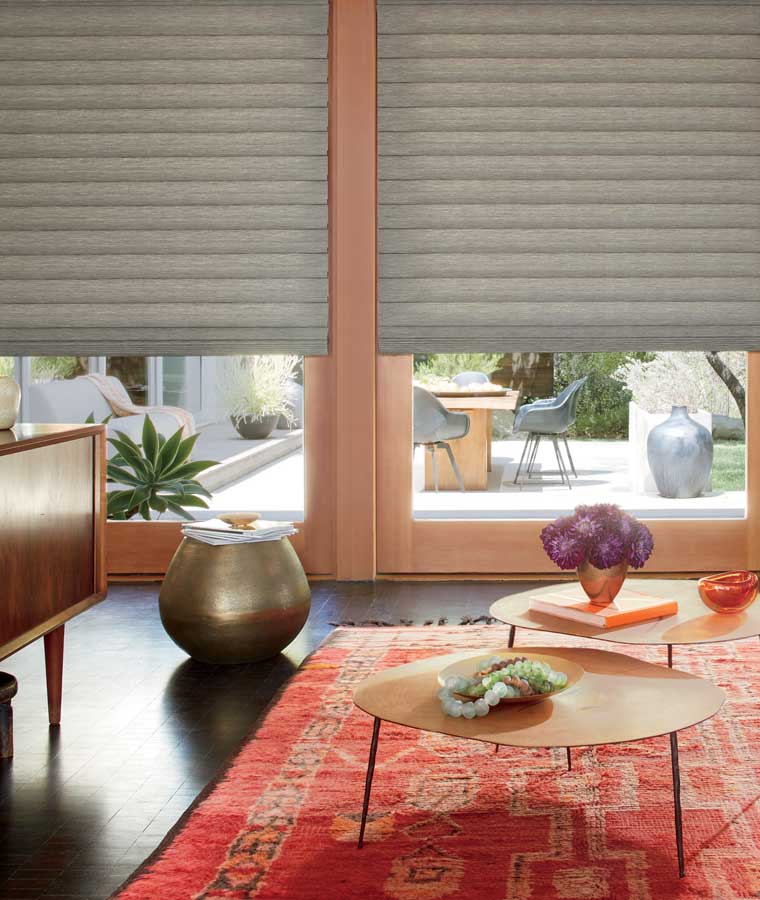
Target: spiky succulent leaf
pixel 191 469
pixel 176 508
pixel 194 487
pixel 168 452
pixel 184 450
pixel 158 472
pixel 131 455
pixel 186 500
pixel 118 503
pixel 150 441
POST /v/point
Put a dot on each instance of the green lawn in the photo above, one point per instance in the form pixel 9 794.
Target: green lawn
pixel 728 466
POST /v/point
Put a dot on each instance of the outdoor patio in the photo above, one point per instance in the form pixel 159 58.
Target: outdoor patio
pixel 603 477
pixel 268 476
pixel 264 475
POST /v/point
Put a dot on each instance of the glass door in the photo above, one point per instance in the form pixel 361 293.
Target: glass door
pixel 493 525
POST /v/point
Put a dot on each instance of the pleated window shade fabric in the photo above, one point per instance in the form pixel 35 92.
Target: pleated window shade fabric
pixel 163 181
pixel 568 176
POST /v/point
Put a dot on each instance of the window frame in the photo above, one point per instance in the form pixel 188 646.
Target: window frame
pixel 494 547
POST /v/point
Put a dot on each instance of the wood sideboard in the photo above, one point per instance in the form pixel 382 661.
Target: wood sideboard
pixel 52 530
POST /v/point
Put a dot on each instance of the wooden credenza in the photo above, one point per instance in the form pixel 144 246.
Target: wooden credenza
pixel 52 529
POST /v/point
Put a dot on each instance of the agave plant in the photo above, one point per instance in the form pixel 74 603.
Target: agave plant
pixel 158 474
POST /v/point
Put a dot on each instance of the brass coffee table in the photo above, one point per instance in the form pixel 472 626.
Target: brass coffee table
pixel 694 623
pixel 656 701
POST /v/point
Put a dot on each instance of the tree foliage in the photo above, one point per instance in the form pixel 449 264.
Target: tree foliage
pixel 444 366
pixel 603 403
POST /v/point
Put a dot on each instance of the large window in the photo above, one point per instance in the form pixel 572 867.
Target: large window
pixel 259 465
pixel 548 431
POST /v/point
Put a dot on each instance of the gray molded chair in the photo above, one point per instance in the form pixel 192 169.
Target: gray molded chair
pixel 435 426
pixel 550 418
pixel 465 378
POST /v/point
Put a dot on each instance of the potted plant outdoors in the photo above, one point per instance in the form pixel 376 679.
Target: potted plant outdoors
pixel 600 542
pixel 155 475
pixel 254 391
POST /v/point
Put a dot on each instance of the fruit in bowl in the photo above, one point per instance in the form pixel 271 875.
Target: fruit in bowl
pixel 498 679
pixel 728 592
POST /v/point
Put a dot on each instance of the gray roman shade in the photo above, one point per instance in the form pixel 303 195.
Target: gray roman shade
pixel 163 181
pixel 568 176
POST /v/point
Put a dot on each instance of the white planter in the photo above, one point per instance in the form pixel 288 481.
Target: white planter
pixel 640 423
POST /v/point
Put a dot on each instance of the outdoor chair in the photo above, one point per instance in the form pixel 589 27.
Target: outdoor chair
pixel 550 418
pixel 434 427
pixel 465 378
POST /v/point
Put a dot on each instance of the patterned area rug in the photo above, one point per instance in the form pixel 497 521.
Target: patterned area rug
pixel 449 819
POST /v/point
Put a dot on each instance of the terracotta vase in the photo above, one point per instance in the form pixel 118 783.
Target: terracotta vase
pixel 602 585
pixel 10 400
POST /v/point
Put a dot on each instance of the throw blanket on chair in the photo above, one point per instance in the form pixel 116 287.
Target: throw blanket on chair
pixel 119 400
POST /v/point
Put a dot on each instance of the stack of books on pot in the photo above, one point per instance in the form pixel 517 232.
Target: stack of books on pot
pixel 215 531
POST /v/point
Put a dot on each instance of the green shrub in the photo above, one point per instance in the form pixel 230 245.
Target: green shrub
pixel 603 403
pixel 444 366
pixel 50 368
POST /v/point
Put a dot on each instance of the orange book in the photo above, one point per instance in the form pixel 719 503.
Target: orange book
pixel 629 606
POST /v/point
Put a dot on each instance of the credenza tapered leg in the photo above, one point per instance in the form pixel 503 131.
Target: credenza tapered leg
pixel 54 673
pixel 8 688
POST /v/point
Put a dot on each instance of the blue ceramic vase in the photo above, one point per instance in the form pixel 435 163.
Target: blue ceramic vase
pixel 680 455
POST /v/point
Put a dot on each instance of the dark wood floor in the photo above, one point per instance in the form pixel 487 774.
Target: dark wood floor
pixel 145 729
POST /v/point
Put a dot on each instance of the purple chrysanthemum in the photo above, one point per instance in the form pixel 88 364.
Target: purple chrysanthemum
pixel 554 529
pixel 608 512
pixel 608 551
pixel 585 527
pixel 602 534
pixel 566 551
pixel 626 528
pixel 641 546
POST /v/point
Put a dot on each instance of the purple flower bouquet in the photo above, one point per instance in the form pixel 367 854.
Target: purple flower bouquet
pixel 594 540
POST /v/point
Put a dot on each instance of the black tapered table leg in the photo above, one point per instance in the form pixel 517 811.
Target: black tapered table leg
pixel 569 760
pixel 677 800
pixel 368 780
pixel 512 630
pixel 670 656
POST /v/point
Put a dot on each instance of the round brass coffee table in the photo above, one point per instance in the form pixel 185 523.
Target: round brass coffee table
pixel 694 623
pixel 655 701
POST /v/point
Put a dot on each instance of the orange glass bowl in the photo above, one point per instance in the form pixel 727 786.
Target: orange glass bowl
pixel 729 592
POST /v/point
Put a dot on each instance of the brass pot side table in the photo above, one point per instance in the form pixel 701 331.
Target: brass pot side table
pixel 694 623
pixel 234 603
pixel 658 701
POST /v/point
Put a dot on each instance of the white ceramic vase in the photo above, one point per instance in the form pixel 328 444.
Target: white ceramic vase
pixel 10 401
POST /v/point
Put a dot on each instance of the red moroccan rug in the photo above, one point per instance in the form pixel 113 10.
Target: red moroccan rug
pixel 451 820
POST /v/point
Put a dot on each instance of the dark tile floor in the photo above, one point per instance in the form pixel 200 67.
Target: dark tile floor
pixel 145 729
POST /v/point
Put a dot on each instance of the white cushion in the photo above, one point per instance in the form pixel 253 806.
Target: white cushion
pixel 71 401
pixel 68 402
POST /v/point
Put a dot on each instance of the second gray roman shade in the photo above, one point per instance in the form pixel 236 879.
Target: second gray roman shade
pixel 568 176
pixel 163 180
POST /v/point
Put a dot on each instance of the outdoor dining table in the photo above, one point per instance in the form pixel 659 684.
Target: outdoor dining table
pixel 472 452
